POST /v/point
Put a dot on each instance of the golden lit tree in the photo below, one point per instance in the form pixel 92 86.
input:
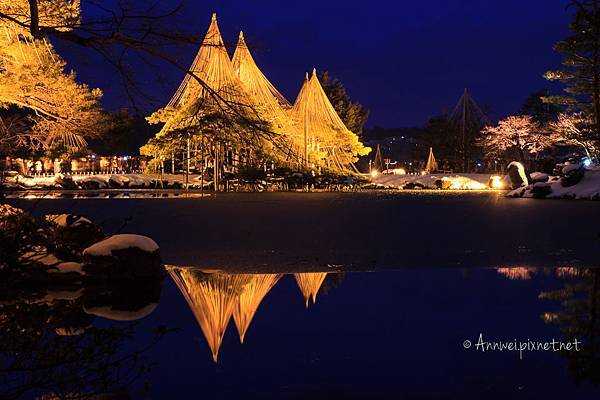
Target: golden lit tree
pixel 576 129
pixel 517 135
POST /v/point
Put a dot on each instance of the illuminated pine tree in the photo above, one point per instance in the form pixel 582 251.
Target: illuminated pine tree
pixel 581 63
pixel 62 112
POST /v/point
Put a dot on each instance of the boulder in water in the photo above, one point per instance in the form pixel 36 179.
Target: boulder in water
pixel 73 233
pixel 123 257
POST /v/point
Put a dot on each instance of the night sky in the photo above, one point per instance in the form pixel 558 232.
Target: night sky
pixel 406 61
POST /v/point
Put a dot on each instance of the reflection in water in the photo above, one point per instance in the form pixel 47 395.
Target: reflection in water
pixel 517 273
pixel 579 317
pixel 52 348
pixel 248 301
pixel 212 297
pixel 215 297
pixel 310 283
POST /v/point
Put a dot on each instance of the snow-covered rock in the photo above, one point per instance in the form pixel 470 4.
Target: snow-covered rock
pixel 588 188
pixel 538 177
pixel 123 256
pixel 516 173
pixel 120 242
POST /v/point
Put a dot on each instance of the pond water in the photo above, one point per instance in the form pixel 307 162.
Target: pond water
pixel 400 281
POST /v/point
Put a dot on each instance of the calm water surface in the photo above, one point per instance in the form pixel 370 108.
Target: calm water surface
pixel 400 283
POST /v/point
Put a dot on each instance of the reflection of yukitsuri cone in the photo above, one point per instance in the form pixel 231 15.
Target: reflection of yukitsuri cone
pixel 249 300
pixel 310 283
pixel 516 273
pixel 211 298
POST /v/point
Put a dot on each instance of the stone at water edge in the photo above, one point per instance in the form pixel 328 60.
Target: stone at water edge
pixel 65 181
pixel 73 233
pixel 123 256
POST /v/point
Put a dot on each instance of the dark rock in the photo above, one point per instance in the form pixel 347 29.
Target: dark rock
pixel 539 177
pixel 176 185
pixel 443 184
pixel 73 234
pixel 114 183
pixel 413 185
pixel 540 190
pixel 65 181
pixel 90 185
pixel 130 263
pixel 572 174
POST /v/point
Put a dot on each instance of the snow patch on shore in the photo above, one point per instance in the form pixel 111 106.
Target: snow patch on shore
pixel 457 181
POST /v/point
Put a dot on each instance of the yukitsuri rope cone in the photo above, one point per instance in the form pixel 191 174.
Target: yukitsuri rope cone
pixel 268 102
pixel 326 137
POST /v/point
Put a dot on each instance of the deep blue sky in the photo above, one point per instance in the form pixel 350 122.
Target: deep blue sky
pixel 405 60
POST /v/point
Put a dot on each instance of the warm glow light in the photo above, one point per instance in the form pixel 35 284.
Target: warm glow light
pixel 496 182
pixel 399 171
pixel 464 183
pixel 374 173
pixel 423 172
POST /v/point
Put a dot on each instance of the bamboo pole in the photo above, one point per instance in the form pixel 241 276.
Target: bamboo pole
pixel 216 168
pixel 187 165
pixel 203 164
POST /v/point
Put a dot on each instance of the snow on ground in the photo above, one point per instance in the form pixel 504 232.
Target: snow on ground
pixel 103 181
pixel 120 242
pixel 455 181
pixel 587 189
